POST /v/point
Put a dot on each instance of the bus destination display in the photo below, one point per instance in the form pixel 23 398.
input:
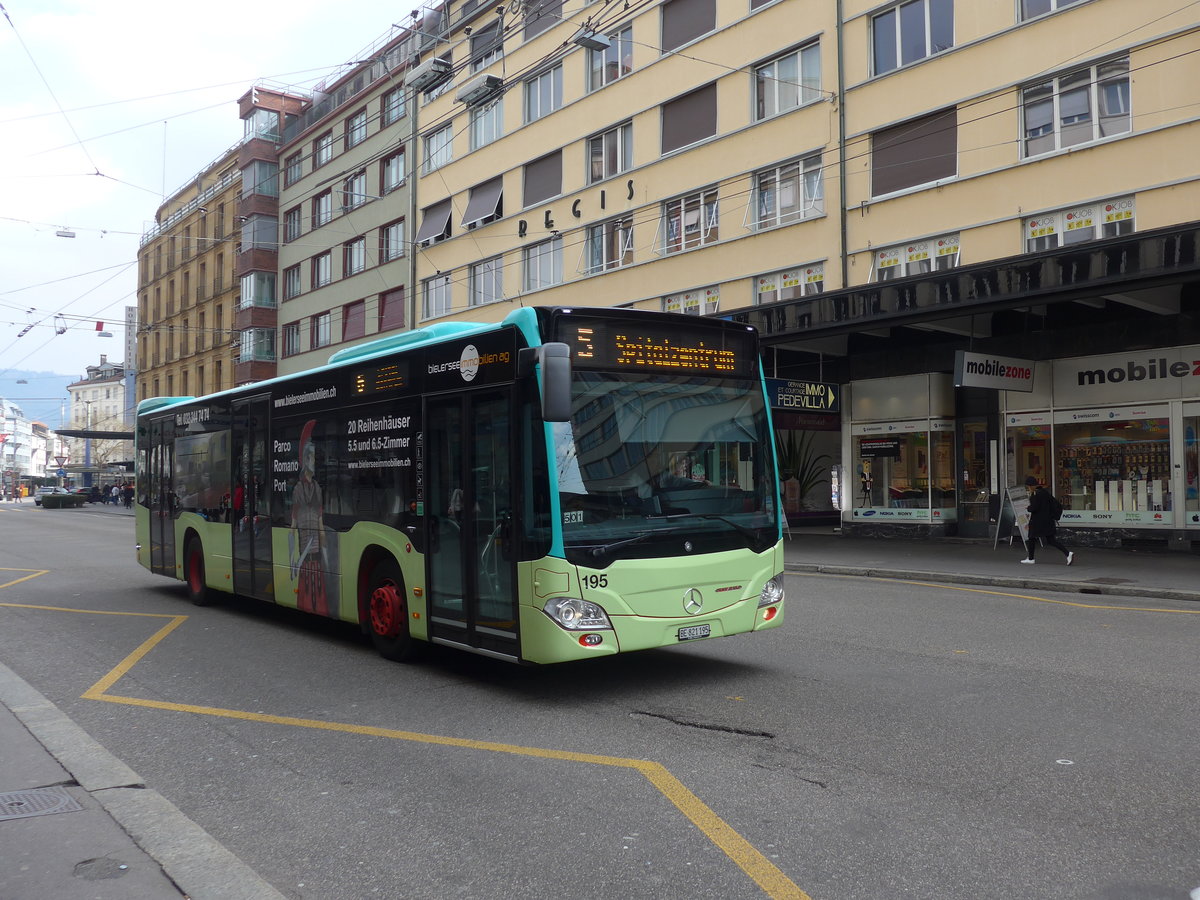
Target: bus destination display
pixel 650 347
pixel 390 377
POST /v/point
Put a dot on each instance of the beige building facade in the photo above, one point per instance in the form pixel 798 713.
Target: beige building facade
pixel 876 187
pixel 187 290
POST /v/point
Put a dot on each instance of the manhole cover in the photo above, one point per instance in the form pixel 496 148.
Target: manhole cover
pixel 1109 581
pixel 39 802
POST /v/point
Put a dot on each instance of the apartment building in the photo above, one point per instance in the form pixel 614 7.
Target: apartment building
pixel 880 189
pixel 344 266
pixel 97 406
pixel 187 290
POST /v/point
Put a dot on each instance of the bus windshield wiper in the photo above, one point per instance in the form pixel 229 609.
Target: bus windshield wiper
pixel 748 533
pixel 604 549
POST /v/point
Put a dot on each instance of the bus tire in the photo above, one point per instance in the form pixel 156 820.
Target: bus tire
pixel 387 612
pixel 193 572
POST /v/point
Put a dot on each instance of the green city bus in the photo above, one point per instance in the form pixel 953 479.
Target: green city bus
pixel 566 483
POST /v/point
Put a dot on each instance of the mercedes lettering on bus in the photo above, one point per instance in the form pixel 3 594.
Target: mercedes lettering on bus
pixel 564 484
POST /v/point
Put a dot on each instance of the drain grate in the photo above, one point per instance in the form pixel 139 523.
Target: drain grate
pixel 38 802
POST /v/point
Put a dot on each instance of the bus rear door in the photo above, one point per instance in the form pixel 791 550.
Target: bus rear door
pixel 469 568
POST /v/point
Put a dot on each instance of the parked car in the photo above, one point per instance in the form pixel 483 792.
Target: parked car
pixel 43 491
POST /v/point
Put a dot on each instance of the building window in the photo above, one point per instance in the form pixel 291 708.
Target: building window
pixel 291 282
pixel 290 339
pixel 788 82
pixel 439 148
pixel 690 221
pixel 354 256
pixel 1076 108
pixel 542 264
pixel 354 191
pixel 354 320
pixel 610 153
pixel 686 20
pixel 487 122
pixel 911 31
pixel 435 224
pixel 702 302
pixel 391 310
pixel 321 269
pixel 261 178
pixel 1107 218
pixel 322 208
pixel 486 282
pixel 391 172
pixel 294 169
pixel 690 118
pixel 919 151
pixel 260 233
pixel 318 330
pixel 915 258
pixel 609 245
pixel 1032 8
pixel 615 61
pixel 486 46
pixel 485 203
pixel 391 107
pixel 356 129
pixel 391 241
pixel 322 149
pixel 436 296
pixel 789 193
pixel 257 344
pixel 541 15
pixel 292 227
pixel 543 178
pixel 790 284
pixel 543 94
pixel 258 289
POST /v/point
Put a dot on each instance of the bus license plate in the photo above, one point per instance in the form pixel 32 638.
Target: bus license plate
pixel 694 632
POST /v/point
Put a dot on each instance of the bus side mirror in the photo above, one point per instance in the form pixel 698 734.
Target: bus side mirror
pixel 555 359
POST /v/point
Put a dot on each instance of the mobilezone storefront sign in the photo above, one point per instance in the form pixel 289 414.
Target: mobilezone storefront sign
pixel 985 370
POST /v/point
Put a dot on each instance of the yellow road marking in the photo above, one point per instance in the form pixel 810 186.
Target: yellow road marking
pixel 959 587
pixel 33 573
pixel 744 855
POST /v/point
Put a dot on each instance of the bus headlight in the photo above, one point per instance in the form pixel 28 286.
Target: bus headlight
pixel 576 615
pixel 772 592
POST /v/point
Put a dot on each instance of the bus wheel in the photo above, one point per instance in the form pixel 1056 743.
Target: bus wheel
pixel 193 572
pixel 387 615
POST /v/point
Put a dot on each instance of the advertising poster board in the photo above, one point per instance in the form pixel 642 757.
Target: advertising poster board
pixel 1017 513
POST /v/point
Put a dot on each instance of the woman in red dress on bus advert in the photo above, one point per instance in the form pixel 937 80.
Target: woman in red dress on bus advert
pixel 306 544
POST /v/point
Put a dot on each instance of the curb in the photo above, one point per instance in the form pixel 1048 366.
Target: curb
pixel 1006 581
pixel 198 865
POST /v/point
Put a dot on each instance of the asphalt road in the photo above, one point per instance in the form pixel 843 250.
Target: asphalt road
pixel 891 740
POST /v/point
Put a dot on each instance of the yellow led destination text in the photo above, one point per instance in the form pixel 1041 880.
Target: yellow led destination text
pixel 635 351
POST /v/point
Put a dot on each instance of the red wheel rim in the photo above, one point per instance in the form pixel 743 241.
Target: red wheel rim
pixel 387 610
pixel 195 582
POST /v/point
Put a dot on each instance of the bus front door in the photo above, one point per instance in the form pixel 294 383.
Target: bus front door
pixel 162 497
pixel 469 568
pixel 252 489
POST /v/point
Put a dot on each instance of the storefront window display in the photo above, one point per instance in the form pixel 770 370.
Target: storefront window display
pixel 904 471
pixel 1114 470
pixel 1191 468
pixel 1028 448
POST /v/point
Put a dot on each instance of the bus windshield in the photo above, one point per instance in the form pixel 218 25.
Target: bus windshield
pixel 664 465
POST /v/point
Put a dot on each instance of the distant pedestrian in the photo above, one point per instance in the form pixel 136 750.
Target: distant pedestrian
pixel 1042 527
pixel 115 494
pixel 127 495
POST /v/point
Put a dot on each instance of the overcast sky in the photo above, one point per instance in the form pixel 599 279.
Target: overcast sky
pixel 145 94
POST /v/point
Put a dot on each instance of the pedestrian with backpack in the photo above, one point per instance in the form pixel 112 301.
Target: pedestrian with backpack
pixel 1044 513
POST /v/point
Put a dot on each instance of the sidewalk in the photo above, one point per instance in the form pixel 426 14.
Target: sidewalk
pixel 1166 575
pixel 78 824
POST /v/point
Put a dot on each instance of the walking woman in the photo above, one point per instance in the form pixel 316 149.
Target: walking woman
pixel 1042 508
